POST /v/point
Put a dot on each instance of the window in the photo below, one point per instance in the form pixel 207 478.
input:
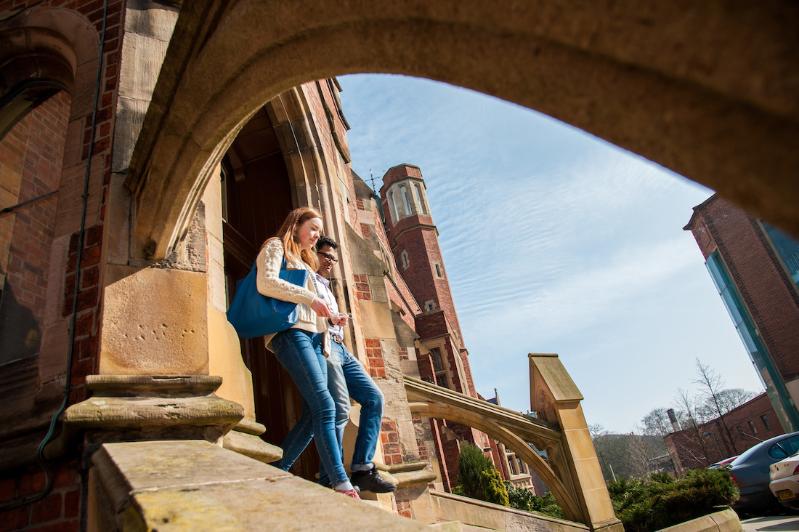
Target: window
pixel 392 200
pixel 737 311
pixel 438 367
pixel 787 250
pixel 752 427
pixel 422 202
pixel 764 419
pixel 439 271
pixel 404 259
pixel 784 448
pixel 429 305
pixel 406 200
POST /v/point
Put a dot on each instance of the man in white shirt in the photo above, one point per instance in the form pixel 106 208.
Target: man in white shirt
pixel 346 378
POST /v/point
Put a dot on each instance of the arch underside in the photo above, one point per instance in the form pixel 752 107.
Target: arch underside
pixel 686 91
pixel 509 428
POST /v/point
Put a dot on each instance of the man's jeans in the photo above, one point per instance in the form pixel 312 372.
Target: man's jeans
pixel 300 353
pixel 346 377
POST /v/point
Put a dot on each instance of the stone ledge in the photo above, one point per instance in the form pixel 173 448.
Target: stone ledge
pixel 195 485
pixel 148 407
pixel 475 513
pixel 140 412
pixel 721 521
pixel 252 446
pixel 153 385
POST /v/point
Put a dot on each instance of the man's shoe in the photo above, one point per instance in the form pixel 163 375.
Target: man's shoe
pixel 371 481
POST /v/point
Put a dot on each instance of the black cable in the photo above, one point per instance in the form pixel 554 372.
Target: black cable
pixel 40 458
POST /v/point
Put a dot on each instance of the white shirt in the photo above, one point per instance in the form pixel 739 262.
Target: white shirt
pixel 324 292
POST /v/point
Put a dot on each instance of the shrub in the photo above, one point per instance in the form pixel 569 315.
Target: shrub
pixel 644 505
pixel 479 478
pixel 523 499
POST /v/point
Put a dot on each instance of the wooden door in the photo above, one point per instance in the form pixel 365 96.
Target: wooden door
pixel 257 198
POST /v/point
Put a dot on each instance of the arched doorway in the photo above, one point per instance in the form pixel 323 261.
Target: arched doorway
pixel 256 197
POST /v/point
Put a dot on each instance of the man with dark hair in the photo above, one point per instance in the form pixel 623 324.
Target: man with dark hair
pixel 345 377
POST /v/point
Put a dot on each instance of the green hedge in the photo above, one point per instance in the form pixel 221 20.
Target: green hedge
pixel 523 499
pixel 661 501
pixel 478 477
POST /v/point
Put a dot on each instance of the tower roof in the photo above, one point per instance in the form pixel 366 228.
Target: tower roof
pixel 398 173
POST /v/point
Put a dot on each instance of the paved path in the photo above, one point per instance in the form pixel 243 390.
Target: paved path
pixel 774 523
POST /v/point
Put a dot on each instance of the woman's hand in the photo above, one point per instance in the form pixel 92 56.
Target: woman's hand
pixel 340 319
pixel 321 308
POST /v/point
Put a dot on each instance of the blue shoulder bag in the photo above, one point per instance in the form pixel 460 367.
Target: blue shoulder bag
pixel 253 314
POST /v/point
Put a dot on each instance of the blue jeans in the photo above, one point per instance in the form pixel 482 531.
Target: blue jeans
pixel 346 377
pixel 300 353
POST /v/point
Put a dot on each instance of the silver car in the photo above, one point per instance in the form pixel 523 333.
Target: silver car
pixel 750 471
pixel 784 483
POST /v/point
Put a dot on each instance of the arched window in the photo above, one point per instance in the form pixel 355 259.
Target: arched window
pixel 406 200
pixel 404 259
pixel 392 204
pixel 422 202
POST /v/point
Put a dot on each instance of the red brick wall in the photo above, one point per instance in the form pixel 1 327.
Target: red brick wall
pixel 32 153
pixel 362 289
pixel 69 206
pixel 421 243
pixel 690 453
pixel 767 292
pixel 431 325
pixel 58 511
pixel 374 356
pixel 404 509
pixel 389 437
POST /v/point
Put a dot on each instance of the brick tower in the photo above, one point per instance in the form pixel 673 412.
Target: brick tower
pixel 443 358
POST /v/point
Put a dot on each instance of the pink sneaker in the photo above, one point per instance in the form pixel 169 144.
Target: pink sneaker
pixel 350 493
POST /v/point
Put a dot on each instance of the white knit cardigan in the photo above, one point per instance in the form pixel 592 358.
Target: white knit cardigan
pixel 270 284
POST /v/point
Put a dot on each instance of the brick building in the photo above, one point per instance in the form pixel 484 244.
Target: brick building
pixel 95 332
pixel 442 356
pixel 755 268
pixel 698 446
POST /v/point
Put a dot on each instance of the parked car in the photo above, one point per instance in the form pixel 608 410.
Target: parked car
pixel 785 481
pixel 750 471
pixel 723 464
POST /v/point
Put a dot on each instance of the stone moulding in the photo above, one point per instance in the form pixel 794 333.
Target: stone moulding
pixel 245 439
pixel 408 474
pixel 153 407
pixel 723 521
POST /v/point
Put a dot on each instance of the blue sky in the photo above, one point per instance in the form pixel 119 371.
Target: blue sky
pixel 556 242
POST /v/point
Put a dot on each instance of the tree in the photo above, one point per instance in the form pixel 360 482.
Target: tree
pixel 478 477
pixel 711 384
pixel 656 423
pixel 695 448
pixel 626 455
pixel 728 399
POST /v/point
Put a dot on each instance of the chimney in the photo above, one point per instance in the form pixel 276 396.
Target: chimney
pixel 673 418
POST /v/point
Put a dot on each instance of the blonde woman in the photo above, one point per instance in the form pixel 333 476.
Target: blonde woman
pixel 301 349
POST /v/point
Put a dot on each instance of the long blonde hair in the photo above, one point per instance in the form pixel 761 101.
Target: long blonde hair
pixel 288 235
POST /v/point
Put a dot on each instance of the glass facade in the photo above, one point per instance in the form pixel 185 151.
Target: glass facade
pixel 787 250
pixel 775 386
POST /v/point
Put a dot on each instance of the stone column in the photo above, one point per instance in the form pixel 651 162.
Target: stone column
pixel 556 399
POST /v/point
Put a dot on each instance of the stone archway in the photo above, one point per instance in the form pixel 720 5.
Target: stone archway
pixel 44 50
pixel 505 426
pixel 706 91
